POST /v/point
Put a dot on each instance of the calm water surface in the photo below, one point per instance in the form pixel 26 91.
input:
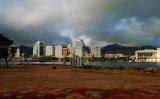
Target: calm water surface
pixel 137 64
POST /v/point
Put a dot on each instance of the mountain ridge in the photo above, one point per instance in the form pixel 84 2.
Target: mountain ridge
pixel 116 47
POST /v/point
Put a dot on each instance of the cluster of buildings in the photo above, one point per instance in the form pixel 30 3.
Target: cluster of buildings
pixel 76 49
pixel 17 54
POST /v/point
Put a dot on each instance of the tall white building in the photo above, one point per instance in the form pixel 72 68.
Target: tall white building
pixel 18 53
pixel 79 45
pixel 49 50
pixel 58 51
pixel 96 50
pixel 35 49
pixel 38 49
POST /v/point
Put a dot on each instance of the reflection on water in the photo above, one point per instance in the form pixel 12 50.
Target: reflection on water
pixel 137 64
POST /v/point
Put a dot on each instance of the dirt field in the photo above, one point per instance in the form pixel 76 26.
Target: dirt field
pixel 43 82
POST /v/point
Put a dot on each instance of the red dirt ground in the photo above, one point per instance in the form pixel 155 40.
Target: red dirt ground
pixel 117 93
pixel 44 81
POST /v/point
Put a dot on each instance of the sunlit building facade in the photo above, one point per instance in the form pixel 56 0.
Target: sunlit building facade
pixel 79 45
pixel 158 53
pixel 68 48
pixel 145 54
pixel 38 49
pixel 49 50
pixel 95 50
pixel 58 51
pixel 18 53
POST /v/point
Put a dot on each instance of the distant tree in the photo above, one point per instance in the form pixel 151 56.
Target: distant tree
pixel 5 43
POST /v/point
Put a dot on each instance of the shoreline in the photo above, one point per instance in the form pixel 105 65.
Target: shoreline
pixel 101 64
pixel 121 68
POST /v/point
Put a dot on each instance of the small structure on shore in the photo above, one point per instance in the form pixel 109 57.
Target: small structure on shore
pixel 54 67
pixel 76 62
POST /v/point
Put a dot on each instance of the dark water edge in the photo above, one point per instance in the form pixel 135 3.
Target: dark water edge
pixel 124 64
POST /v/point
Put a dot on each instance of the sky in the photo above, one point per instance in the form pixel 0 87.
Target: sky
pixel 97 22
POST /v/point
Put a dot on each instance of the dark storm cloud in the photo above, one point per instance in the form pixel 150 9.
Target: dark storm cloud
pixel 128 22
pixel 134 22
pixel 26 22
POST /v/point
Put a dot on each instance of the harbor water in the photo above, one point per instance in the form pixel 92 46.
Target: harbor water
pixel 132 64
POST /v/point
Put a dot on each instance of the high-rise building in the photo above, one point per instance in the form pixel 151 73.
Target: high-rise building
pixel 38 49
pixel 53 52
pixel 44 51
pixel 79 45
pixel 65 52
pixel 72 52
pixel 18 55
pixel 58 51
pixel 10 53
pixel 96 50
pixel 35 49
pixel 68 47
pixel 49 50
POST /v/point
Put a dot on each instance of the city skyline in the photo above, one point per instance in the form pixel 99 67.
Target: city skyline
pixel 99 22
pixel 74 49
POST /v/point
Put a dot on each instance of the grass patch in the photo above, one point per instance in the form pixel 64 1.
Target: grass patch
pixel 19 97
pixel 120 83
pixel 93 88
pixel 129 88
pixel 146 89
pixel 140 87
pixel 157 88
pixel 152 90
pixel 82 97
pixel 67 88
pixel 108 89
pixel 28 91
pixel 6 95
pixel 58 89
pixel 95 94
pixel 69 97
pixel 40 95
pixel 54 93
